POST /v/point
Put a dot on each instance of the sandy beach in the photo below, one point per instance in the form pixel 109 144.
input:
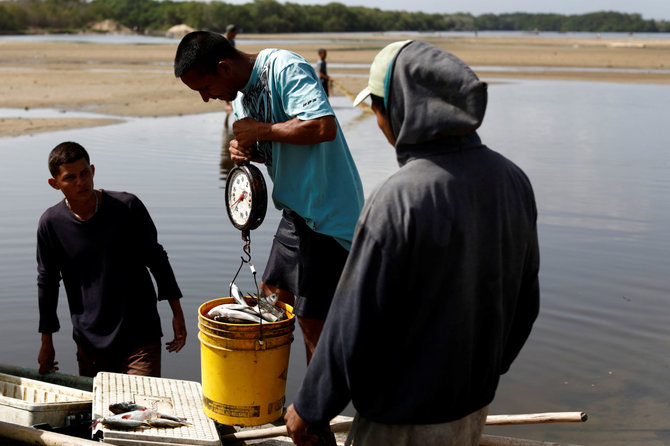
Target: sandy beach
pixel 119 80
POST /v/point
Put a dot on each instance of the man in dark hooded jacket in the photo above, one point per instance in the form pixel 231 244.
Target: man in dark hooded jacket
pixel 440 289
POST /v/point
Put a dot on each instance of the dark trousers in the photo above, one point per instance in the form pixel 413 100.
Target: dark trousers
pixel 145 361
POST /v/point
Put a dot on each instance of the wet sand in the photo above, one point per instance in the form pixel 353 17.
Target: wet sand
pixel 137 80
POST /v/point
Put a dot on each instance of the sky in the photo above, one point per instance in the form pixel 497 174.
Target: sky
pixel 649 9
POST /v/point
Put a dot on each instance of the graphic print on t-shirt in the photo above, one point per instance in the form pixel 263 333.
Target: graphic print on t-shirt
pixel 257 103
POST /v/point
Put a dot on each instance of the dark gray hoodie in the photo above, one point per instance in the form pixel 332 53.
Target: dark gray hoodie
pixel 440 290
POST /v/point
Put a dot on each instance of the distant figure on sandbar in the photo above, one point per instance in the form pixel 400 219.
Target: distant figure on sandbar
pixel 231 33
pixel 322 70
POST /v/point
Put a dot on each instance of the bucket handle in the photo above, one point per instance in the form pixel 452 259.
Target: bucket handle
pixel 246 238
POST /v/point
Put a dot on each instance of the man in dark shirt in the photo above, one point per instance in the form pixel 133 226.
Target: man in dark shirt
pixel 101 244
pixel 440 289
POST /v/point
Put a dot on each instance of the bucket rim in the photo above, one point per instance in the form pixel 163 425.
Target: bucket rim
pixel 208 305
pixel 266 332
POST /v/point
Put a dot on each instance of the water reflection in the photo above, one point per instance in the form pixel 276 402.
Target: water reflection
pixel 596 154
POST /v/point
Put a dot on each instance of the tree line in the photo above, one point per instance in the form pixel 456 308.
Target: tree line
pixel 270 16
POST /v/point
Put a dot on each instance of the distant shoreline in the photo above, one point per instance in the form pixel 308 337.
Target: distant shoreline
pixel 136 79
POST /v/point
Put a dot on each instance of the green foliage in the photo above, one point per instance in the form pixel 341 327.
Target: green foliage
pixel 135 14
pixel 271 16
pixel 7 19
pixel 608 21
pixel 605 21
pixel 19 15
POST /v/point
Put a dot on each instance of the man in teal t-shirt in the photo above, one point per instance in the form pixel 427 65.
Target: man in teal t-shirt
pixel 284 120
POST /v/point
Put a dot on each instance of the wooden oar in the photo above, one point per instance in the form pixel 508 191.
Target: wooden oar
pixel 279 431
pixel 535 418
pixel 491 420
pixel 494 440
pixel 39 437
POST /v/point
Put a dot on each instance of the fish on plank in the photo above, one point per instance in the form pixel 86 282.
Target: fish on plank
pixel 127 420
pixel 166 422
pixel 124 406
pixel 129 406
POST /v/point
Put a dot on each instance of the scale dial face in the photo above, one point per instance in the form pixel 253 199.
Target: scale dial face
pixel 246 197
pixel 240 198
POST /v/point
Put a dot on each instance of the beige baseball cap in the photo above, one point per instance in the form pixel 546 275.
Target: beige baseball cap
pixel 378 70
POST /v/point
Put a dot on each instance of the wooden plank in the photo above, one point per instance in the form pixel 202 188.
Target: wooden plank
pixel 491 420
pixel 493 440
pixel 39 437
pixel 535 418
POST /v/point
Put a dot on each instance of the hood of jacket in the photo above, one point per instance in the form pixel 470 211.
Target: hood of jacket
pixel 435 101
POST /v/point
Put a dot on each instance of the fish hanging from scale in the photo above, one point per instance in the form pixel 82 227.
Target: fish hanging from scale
pixel 246 205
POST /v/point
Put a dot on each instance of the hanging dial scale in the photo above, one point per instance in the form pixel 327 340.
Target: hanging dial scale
pixel 246 204
pixel 246 197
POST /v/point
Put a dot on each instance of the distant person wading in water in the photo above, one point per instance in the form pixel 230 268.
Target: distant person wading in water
pixel 231 33
pixel 322 70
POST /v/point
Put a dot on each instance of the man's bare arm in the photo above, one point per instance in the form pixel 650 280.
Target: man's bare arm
pixel 295 131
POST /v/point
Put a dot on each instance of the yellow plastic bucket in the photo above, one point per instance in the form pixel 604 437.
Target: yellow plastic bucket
pixel 244 367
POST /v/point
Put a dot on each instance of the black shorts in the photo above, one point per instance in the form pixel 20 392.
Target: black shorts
pixel 305 263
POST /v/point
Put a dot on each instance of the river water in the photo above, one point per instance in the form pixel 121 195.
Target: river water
pixel 596 153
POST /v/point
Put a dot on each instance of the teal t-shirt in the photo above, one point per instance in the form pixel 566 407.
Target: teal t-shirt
pixel 319 182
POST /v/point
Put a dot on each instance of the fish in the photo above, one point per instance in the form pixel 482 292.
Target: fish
pixel 167 422
pixel 124 406
pixel 132 419
pixel 237 295
pixel 265 312
pixel 223 311
pixel 260 308
pixel 267 304
pixel 129 406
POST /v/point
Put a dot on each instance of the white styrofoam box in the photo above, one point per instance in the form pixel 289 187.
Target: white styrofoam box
pixel 28 402
pixel 167 396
